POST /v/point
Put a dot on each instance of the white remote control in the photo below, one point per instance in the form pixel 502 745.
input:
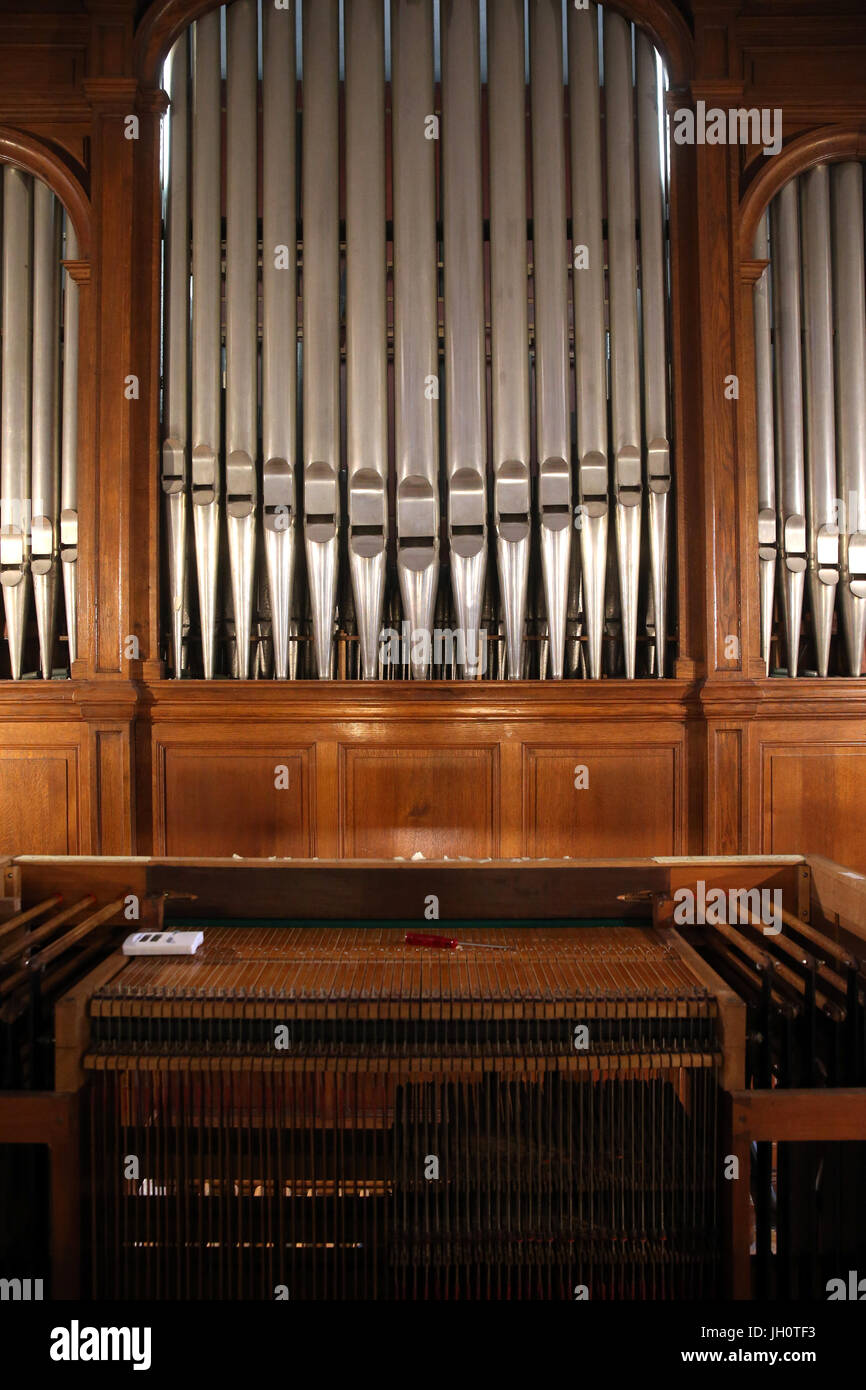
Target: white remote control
pixel 163 943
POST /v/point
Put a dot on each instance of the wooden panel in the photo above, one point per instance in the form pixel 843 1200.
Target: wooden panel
pixel 113 791
pixel 408 800
pixel 222 804
pixel 726 811
pixel 630 805
pixel 38 801
pixel 813 801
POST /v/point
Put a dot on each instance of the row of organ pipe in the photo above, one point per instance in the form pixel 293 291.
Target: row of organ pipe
pixel 38 425
pixel 443 405
pixel 810 351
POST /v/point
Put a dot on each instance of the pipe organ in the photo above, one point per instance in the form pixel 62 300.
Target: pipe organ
pixel 481 360
pixel 810 349
pixel 38 427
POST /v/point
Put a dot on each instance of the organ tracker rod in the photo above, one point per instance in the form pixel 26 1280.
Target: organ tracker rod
pixel 465 359
pixel 415 319
pixel 658 454
pixel 509 318
pixel 321 361
pixel 850 299
pixel 366 330
pixel 241 314
pixel 206 435
pixel 822 532
pixel 766 445
pixel 69 449
pixel 279 327
pixel 589 326
pixel 790 484
pixel 625 388
pixel 15 419
pixel 175 444
pixel 550 271
pixel 45 444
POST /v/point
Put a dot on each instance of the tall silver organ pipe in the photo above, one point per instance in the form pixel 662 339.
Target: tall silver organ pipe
pixel 321 272
pixel 206 335
pixel 279 322
pixel 69 449
pixel 822 532
pixel 850 337
pixel 590 353
pixel 465 353
pixel 45 438
pixel 653 335
pixel 624 365
pixel 175 466
pixel 416 367
pixel 15 409
pixel 366 328
pixel 550 275
pixel 509 318
pixel 766 445
pixel 241 316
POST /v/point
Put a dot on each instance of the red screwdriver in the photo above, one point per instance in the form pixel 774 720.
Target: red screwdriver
pixel 447 943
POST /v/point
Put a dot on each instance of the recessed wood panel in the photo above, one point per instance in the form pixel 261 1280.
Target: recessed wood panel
pixel 38 801
pixel 427 800
pixel 251 802
pixel 630 805
pixel 815 802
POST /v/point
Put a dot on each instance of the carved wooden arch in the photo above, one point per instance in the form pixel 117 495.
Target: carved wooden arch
pixel 165 20
pixel 820 146
pixel 34 157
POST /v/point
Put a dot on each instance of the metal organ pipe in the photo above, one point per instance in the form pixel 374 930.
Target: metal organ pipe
pixel 550 273
pixel 175 468
pixel 241 314
pixel 15 409
pixel 850 337
pixel 766 448
pixel 655 360
pixel 321 284
pixel 45 438
pixel 366 330
pixel 69 449
pixel 465 358
pixel 279 321
pixel 416 375
pixel 206 337
pixel 509 318
pixel 589 327
pixel 624 366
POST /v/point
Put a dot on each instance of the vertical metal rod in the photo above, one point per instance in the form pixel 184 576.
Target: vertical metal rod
pixel 321 266
pixel 206 344
pixel 625 384
pixel 69 449
pixel 550 273
pixel 366 332
pixel 15 408
pixel 241 317
pixel 790 478
pixel 465 356
pixel 509 317
pixel 279 321
pixel 175 469
pixel 653 312
pixel 766 454
pixel 45 456
pixel 589 328
pixel 415 321
pixel 850 323
pixel 822 528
